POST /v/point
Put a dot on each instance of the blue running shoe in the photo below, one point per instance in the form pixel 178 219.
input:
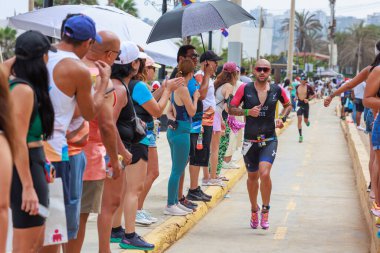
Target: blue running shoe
pixel 116 237
pixel 137 242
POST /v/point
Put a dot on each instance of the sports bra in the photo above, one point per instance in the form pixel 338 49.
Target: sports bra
pixel 35 130
pixel 181 112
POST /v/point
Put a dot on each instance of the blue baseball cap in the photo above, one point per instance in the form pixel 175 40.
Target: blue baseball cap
pixel 81 28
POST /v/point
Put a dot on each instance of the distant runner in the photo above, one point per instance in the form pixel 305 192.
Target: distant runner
pixel 304 93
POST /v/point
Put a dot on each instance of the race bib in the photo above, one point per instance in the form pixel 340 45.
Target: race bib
pixel 246 147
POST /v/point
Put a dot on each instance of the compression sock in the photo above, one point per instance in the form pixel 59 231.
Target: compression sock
pixel 130 235
pixel 300 131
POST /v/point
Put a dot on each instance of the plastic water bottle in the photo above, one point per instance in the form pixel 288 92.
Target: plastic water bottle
pixel 200 142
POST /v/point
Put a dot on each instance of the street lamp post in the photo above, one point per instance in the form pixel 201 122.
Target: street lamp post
pixel 161 71
pixel 291 40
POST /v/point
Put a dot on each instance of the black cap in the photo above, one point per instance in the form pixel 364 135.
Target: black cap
pixel 32 44
pixel 209 56
pixel 303 78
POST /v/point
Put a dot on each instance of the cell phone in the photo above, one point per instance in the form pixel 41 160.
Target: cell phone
pixel 109 91
pixel 173 124
pixel 43 211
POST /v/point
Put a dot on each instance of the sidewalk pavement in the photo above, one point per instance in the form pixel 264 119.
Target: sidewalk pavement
pixel 169 229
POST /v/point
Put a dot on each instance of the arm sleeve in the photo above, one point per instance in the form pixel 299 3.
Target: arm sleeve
pixel 236 101
pixel 284 98
pixel 141 94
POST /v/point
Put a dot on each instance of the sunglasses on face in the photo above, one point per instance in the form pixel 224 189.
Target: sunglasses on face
pixel 153 68
pixel 116 52
pixel 262 69
pixel 193 56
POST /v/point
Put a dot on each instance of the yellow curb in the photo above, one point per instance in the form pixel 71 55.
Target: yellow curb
pixel 360 160
pixel 174 228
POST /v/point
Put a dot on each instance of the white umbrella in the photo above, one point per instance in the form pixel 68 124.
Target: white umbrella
pixel 127 27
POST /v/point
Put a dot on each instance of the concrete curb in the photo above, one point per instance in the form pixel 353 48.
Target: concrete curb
pixel 360 160
pixel 174 228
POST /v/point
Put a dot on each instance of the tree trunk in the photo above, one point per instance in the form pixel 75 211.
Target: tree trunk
pixel 359 56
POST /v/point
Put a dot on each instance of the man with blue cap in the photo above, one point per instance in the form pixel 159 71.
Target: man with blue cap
pixel 71 85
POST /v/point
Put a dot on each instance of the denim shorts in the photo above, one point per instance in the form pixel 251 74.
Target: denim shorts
pixel 368 118
pixel 71 173
pixel 376 134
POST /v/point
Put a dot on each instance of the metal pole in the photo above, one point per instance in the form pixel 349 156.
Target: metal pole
pixel 161 71
pixel 291 41
pixel 260 28
pixel 332 28
pixel 210 40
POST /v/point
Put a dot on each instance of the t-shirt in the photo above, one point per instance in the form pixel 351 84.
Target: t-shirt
pixel 245 79
pixel 209 101
pixel 359 90
pixel 294 90
pixel 141 94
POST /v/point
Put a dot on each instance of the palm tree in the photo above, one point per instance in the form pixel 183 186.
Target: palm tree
pixel 7 41
pixel 305 24
pixel 355 46
pixel 40 3
pixel 129 6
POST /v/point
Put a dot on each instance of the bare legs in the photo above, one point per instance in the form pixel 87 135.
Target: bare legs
pixel 265 185
pixel 153 173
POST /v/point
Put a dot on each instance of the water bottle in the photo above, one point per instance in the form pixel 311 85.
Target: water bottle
pixel 200 142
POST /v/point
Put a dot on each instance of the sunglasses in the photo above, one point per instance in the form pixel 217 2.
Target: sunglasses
pixel 151 67
pixel 116 52
pixel 262 69
pixel 193 56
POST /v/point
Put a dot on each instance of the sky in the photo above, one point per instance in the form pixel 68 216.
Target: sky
pixel 354 8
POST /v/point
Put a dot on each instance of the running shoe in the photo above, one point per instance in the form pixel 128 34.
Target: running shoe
pixel 184 208
pixel 187 203
pixel 264 220
pixel 255 219
pixel 174 210
pixel 117 236
pixel 136 242
pixel 149 216
pixel 205 182
pixel 300 140
pixel 198 195
pixel 308 124
pixel 375 212
pixel 230 165
pixel 141 219
pixel 360 128
pixel 216 182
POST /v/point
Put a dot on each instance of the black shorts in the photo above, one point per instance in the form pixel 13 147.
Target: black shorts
pixel 257 154
pixel 138 151
pixel 20 218
pixel 303 110
pixel 200 157
pixel 359 105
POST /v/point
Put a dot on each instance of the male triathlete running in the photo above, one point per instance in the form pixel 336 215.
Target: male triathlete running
pixel 259 100
pixel 304 93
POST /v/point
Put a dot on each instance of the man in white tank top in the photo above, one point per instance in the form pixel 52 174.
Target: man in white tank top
pixel 70 84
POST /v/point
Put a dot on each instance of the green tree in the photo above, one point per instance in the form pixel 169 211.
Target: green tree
pixel 129 6
pixel 356 46
pixel 305 25
pixel 7 41
pixel 40 3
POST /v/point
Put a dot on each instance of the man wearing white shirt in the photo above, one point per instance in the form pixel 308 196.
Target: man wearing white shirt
pixel 358 93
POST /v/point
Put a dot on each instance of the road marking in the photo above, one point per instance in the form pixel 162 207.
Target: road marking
pixel 280 233
pixel 291 205
pixel 285 218
pixel 296 187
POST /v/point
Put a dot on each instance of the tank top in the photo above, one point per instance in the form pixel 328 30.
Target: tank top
pixel 181 113
pixel 35 130
pixel 56 148
pixel 219 99
pixel 124 122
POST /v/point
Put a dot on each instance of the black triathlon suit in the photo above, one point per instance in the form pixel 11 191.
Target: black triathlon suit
pixel 304 107
pixel 261 127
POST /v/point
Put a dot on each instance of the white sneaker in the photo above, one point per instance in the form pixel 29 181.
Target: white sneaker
pixel 174 210
pixel 206 182
pixel 230 165
pixel 141 219
pixel 149 217
pixel 184 208
pixel 216 182
pixel 360 128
